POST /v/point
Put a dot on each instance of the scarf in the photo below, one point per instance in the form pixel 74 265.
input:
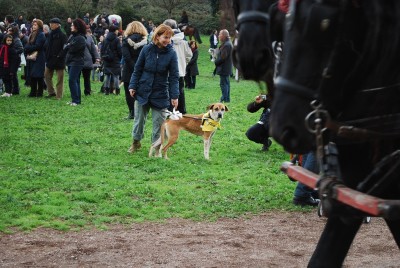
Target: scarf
pixel 4 49
pixel 208 124
pixel 32 37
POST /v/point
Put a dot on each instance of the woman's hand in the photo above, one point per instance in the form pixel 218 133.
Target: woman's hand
pixel 132 92
pixel 174 103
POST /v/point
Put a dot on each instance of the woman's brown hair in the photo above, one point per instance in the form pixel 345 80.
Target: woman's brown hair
pixel 33 35
pixel 160 30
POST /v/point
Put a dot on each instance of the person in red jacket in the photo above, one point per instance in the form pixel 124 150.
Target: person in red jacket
pixel 8 63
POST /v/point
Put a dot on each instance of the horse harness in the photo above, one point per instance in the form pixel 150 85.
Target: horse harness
pixel 319 120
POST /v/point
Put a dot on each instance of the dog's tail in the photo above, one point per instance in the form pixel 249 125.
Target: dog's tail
pixel 157 145
pixel 154 148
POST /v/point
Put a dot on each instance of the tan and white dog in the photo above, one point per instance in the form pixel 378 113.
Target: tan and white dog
pixel 201 125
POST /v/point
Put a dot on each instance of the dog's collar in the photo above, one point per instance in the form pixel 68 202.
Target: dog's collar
pixel 209 124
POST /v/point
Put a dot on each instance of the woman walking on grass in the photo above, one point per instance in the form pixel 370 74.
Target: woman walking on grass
pixel 155 81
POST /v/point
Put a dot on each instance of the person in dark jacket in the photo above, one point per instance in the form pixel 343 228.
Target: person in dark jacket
pixel 35 68
pixel 155 84
pixel 55 59
pixel 19 48
pixel 111 66
pixel 224 64
pixel 8 63
pixel 214 39
pixel 192 69
pixel 91 56
pixel 184 21
pixel 20 20
pixel 214 43
pixel 75 50
pixel 67 27
pixel 135 37
pixel 259 132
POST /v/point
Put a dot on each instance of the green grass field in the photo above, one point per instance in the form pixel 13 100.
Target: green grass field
pixel 68 168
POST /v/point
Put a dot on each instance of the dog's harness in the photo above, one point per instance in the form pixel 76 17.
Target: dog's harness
pixel 209 124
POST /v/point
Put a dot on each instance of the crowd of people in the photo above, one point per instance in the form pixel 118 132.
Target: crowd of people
pixel 109 55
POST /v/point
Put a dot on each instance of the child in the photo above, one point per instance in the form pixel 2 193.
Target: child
pixel 192 69
pixel 8 63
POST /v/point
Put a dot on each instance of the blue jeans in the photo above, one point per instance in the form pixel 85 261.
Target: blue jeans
pixel 115 80
pixel 309 163
pixel 225 85
pixel 74 73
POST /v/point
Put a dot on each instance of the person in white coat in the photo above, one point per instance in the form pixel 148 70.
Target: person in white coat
pixel 184 54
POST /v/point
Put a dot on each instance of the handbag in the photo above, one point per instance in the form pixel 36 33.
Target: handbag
pixel 32 56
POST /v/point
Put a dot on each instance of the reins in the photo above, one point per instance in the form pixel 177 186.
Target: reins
pixel 355 130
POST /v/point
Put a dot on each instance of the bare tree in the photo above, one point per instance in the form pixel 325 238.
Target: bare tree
pixel 168 5
pixel 79 6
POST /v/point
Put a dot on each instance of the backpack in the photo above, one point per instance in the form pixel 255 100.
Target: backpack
pixel 107 53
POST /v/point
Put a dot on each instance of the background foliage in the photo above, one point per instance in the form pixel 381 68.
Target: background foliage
pixel 205 15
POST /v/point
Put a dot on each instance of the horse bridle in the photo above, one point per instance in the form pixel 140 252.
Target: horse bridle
pixel 345 129
pixel 252 16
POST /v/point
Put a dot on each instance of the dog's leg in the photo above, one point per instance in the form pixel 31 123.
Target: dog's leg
pixel 172 134
pixel 207 137
pixel 206 148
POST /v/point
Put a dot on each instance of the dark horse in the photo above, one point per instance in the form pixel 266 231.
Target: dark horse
pixel 192 32
pixel 343 57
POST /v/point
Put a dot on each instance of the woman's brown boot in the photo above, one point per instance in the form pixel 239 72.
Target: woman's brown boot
pixel 135 146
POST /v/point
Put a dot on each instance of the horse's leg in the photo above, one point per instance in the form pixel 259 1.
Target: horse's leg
pixel 334 242
pixel 394 227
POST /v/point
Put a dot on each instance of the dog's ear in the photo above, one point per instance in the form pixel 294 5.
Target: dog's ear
pixel 210 107
pixel 226 108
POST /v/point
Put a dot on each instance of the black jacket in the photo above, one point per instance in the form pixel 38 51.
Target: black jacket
pixel 191 68
pixel 75 49
pixel 130 55
pixel 254 107
pixel 112 67
pixel 55 58
pixel 224 59
pixel 13 62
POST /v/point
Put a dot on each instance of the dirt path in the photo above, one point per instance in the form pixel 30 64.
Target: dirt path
pixel 268 240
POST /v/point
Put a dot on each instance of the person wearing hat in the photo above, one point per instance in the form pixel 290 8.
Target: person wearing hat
pixel 55 59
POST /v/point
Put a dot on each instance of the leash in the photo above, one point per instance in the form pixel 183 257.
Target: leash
pixel 193 117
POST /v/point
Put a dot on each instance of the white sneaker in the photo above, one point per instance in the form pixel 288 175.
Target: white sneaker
pixel 6 95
